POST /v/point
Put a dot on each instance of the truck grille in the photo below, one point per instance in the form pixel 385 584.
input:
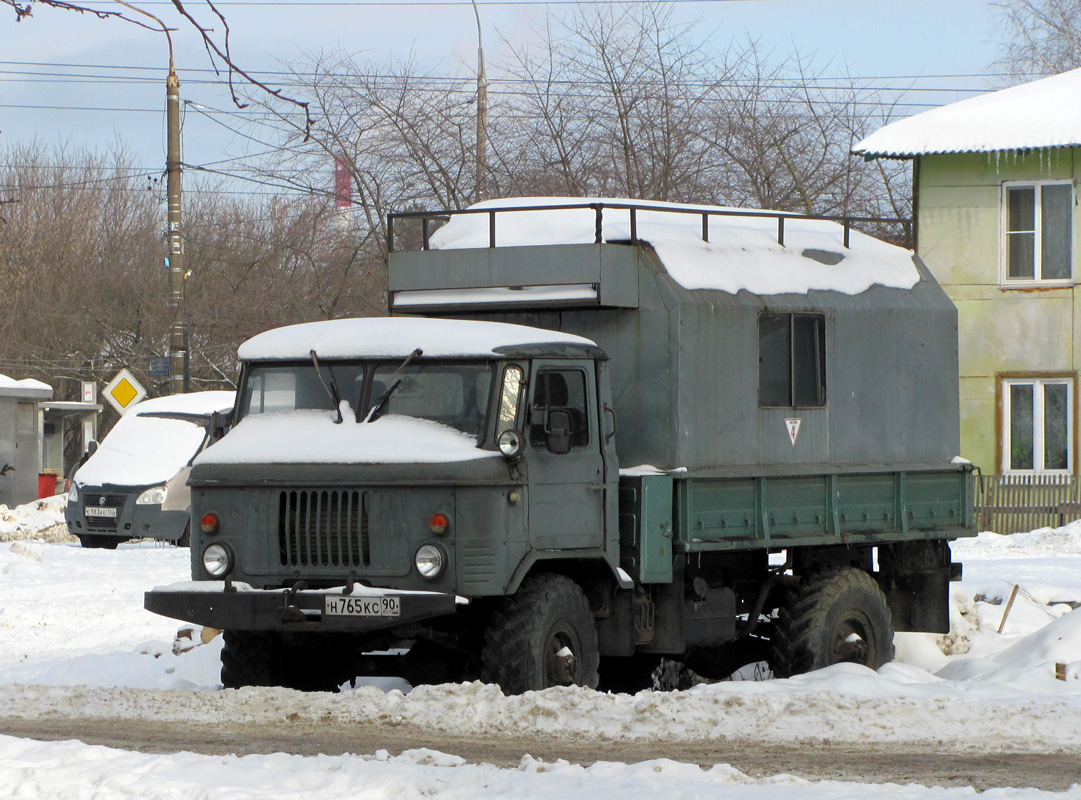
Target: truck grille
pixel 323 528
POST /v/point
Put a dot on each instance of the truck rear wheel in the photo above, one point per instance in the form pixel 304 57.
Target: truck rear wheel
pixel 250 658
pixel 542 636
pixel 833 617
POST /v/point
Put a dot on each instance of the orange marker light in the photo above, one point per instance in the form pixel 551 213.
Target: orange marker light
pixel 209 522
pixel 439 523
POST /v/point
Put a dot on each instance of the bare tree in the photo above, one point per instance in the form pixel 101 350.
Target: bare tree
pixel 1042 36
pixel 217 43
pixel 608 101
pixel 85 287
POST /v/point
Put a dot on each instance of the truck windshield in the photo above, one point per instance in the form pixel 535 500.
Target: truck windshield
pixel 454 394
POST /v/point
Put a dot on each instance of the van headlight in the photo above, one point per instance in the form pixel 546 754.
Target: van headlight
pixel 154 496
pixel 218 560
pixel 430 561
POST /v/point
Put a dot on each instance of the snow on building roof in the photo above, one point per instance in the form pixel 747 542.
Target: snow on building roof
pixel 1043 113
pixel 397 337
pixel 742 252
pixel 27 384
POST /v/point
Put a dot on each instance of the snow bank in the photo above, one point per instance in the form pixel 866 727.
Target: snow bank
pixel 89 649
pixel 34 520
pixel 742 253
pixel 79 772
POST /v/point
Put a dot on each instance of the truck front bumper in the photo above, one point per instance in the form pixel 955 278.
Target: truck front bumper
pixel 209 604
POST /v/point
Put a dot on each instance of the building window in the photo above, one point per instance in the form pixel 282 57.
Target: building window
pixel 791 360
pixel 1038 232
pixel 1037 424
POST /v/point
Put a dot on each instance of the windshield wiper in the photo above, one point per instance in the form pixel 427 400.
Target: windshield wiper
pixel 332 390
pixel 377 409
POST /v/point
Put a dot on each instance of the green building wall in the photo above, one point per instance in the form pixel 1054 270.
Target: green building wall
pixel 1001 330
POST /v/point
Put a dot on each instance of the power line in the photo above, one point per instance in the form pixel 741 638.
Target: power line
pixel 437 3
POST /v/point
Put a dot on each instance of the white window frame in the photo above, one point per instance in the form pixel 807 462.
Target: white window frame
pixel 1037 255
pixel 1038 404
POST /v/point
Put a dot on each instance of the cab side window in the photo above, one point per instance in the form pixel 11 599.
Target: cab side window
pixel 560 390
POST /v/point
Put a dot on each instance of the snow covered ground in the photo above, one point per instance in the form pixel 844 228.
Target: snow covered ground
pixel 75 641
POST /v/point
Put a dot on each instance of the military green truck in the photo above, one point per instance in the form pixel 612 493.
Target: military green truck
pixel 593 434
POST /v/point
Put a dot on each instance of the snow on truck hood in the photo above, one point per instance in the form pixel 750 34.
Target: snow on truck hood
pixel 742 252
pixel 396 337
pixel 141 451
pixel 310 436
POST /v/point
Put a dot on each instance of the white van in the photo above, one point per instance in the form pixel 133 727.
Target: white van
pixel 134 484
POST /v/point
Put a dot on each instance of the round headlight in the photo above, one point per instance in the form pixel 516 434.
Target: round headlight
pixel 153 496
pixel 73 493
pixel 510 443
pixel 218 560
pixel 430 561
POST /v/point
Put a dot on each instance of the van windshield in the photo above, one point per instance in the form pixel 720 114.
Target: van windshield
pixel 452 393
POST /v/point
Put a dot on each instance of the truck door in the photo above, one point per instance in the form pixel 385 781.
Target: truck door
pixel 566 469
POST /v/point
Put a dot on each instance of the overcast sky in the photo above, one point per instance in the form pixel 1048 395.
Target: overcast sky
pixel 937 44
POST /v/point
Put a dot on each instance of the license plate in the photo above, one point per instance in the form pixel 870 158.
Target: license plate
pixel 342 606
pixel 100 511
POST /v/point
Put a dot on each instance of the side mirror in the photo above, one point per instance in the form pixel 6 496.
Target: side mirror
pixel 218 424
pixel 559 432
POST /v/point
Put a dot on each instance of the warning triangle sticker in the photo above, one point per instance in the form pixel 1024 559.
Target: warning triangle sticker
pixel 793 424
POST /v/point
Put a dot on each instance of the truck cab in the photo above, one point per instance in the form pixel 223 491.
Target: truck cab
pixel 384 472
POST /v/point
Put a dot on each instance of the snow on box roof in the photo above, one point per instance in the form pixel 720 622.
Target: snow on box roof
pixel 742 252
pixel 397 337
pixel 26 383
pixel 141 450
pixel 1043 113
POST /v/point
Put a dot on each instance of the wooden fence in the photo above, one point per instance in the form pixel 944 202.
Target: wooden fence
pixel 1018 503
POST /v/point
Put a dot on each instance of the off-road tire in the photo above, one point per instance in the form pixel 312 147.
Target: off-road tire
pixel 832 617
pixel 251 658
pixel 528 630
pixel 185 537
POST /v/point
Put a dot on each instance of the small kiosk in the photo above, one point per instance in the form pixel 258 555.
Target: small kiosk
pixel 20 439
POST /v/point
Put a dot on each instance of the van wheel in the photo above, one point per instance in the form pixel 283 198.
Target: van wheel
pixel 833 617
pixel 100 542
pixel 185 537
pixel 543 636
pixel 250 658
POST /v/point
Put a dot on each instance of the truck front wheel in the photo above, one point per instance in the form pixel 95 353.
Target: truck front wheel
pixel 250 658
pixel 833 617
pixel 542 636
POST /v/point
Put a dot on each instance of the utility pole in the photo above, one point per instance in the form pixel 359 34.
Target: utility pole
pixel 178 332
pixel 482 117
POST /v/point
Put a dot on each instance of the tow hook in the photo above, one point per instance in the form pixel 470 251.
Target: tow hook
pixel 289 612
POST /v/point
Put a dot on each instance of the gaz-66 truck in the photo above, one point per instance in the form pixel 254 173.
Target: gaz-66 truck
pixel 592 434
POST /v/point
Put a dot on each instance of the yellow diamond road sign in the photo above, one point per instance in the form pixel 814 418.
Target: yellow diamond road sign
pixel 124 392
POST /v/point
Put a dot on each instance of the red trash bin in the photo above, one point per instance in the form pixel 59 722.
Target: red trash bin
pixel 46 483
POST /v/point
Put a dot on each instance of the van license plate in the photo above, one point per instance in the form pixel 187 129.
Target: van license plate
pixel 100 511
pixel 341 606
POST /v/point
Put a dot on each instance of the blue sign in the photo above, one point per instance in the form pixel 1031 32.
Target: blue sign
pixel 159 368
